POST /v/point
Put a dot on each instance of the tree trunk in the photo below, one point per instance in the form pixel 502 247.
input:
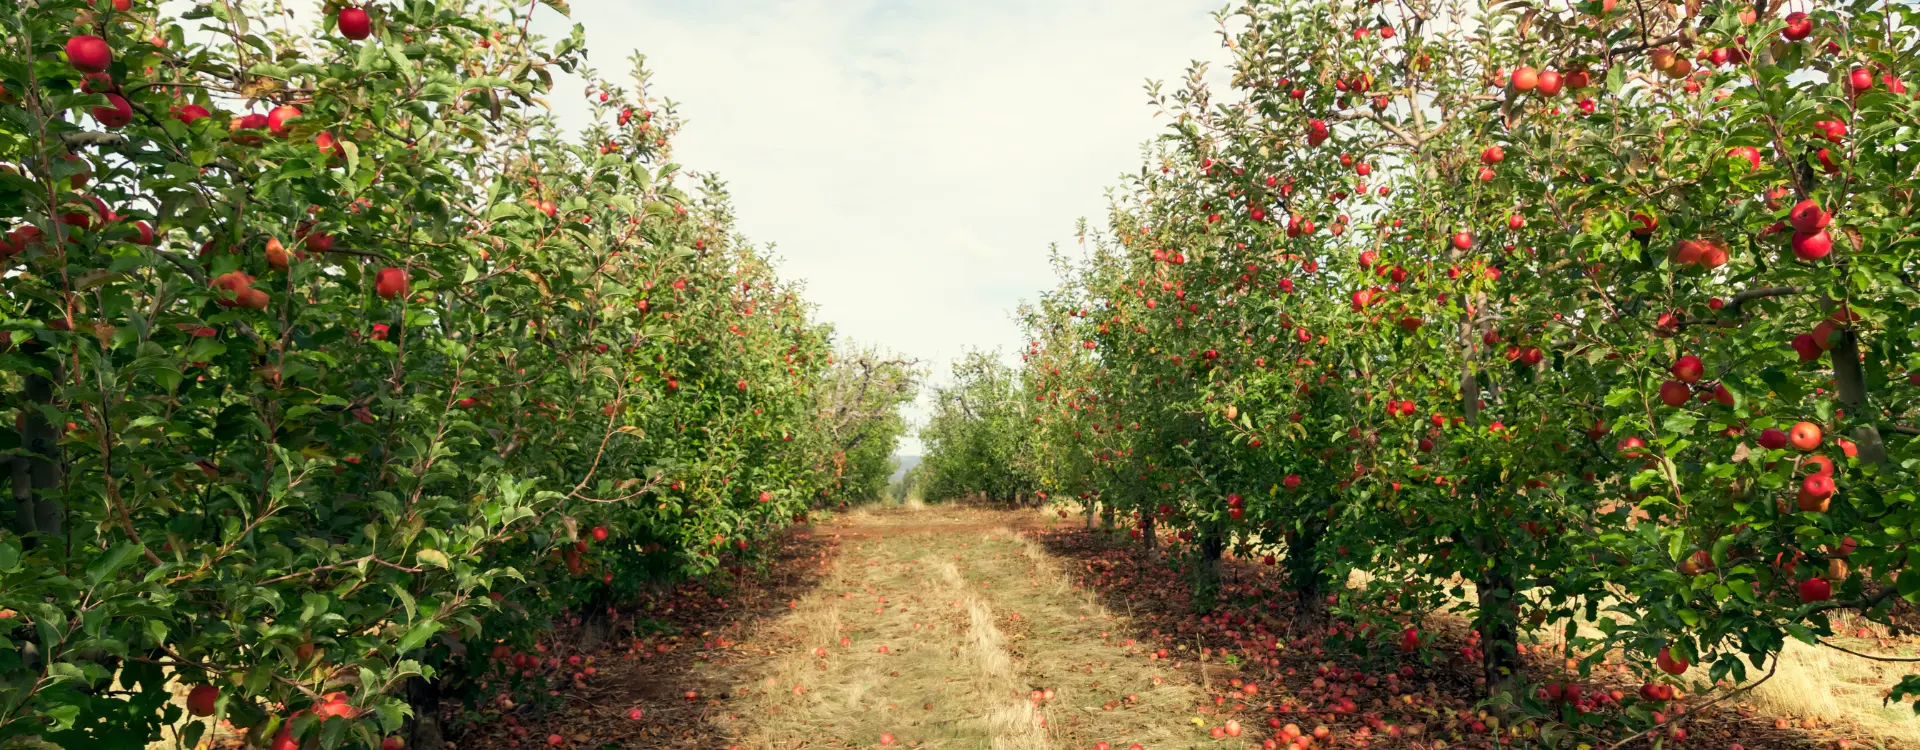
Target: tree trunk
pixel 1304 570
pixel 1852 384
pixel 1146 538
pixel 423 732
pixel 1496 621
pixel 37 474
pixel 1206 571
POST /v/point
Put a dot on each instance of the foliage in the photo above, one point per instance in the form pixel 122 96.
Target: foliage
pixel 340 372
pixel 1420 298
pixel 977 434
pixel 860 407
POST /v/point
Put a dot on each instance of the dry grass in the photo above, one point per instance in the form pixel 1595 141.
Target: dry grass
pixel 1841 689
pixel 974 621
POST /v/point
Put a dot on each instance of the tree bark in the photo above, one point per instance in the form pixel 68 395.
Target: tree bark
pixel 37 474
pixel 1304 571
pixel 423 731
pixel 1206 571
pixel 1497 623
pixel 1852 384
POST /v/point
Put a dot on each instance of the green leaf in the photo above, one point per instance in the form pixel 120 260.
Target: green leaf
pixel 417 635
pixel 433 557
pixel 111 562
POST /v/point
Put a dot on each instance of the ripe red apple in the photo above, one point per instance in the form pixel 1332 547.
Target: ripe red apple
pixel 390 283
pixel 1550 83
pixel 278 117
pixel 599 533
pixel 247 122
pixel 1816 492
pixel 1748 154
pixel 277 256
pixel 1815 590
pixel 1492 155
pixel 393 743
pixel 330 146
pixel 284 740
pixel 146 233
pixel 1812 246
pixel 1805 436
pixel 1807 217
pixel 117 114
pixel 1772 439
pixel 188 113
pixel 1689 369
pixel 1808 349
pixel 354 23
pixel 1317 132
pixel 1860 79
pixel 1463 240
pixel 89 54
pixel 1525 78
pixel 1818 464
pixel 1671 664
pixel 201 700
pixel 1799 26
pixel 1674 393
pixel 1686 252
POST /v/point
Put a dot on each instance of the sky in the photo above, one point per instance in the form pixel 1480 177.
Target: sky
pixel 910 160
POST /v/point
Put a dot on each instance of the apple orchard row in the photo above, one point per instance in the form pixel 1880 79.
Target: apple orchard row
pixel 340 374
pixel 1592 322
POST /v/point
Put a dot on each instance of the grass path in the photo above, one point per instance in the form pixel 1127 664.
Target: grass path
pixel 935 628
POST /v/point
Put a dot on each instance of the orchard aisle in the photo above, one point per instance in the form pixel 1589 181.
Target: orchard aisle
pixel 946 629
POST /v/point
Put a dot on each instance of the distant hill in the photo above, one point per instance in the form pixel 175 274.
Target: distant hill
pixel 902 465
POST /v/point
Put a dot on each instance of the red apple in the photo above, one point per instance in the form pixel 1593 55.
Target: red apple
pixel 354 23
pixel 1550 83
pixel 1674 393
pixel 390 283
pixel 1671 664
pixel 188 113
pixel 1805 436
pixel 277 118
pixel 1807 217
pixel 1799 26
pixel 1815 492
pixel 1815 590
pixel 117 114
pixel 201 700
pixel 1525 78
pixel 1808 349
pixel 1689 369
pixel 88 53
pixel 277 256
pixel 1812 246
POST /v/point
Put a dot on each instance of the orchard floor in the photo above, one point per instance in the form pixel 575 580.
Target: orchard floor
pixel 970 628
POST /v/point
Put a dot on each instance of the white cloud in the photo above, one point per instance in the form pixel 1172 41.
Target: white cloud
pixel 911 160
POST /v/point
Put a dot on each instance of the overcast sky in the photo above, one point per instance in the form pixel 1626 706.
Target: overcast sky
pixel 912 159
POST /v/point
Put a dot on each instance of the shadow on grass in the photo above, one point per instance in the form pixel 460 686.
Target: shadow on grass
pixel 654 657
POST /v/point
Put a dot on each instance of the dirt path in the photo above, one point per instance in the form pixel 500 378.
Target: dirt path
pixel 935 629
